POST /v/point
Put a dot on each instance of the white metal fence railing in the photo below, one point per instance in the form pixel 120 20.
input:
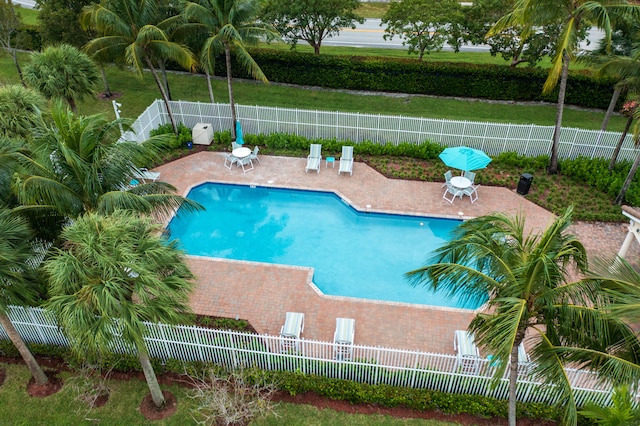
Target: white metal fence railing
pixel 494 138
pixel 366 364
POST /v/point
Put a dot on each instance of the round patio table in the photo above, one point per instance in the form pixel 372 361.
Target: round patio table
pixel 460 182
pixel 241 152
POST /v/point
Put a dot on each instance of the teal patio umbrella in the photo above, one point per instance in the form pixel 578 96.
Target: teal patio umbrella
pixel 465 158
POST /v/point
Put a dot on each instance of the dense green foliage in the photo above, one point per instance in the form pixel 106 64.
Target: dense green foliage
pixel 174 141
pixel 595 173
pixel 310 21
pixel 430 78
pixel 418 399
pixel 59 22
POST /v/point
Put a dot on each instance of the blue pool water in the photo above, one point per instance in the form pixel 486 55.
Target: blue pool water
pixel 353 254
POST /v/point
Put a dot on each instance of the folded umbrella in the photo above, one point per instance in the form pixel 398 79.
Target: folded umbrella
pixel 239 138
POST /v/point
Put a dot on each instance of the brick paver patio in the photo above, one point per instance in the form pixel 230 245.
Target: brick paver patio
pixel 262 293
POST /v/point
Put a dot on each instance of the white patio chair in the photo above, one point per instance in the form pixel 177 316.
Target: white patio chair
pixel 451 193
pixel 290 332
pixel 229 159
pixel 470 175
pixel 246 161
pixel 472 192
pixel 314 158
pixel 343 339
pixel 254 154
pixel 447 178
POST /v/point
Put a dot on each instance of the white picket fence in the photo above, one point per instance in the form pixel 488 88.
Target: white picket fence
pixel 493 138
pixel 367 364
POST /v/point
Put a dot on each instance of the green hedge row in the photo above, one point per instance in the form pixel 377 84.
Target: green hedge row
pixel 417 399
pixel 382 74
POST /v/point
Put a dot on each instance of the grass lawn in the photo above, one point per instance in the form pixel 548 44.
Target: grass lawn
pixel 136 95
pixel 371 10
pixel 122 408
pixel 29 16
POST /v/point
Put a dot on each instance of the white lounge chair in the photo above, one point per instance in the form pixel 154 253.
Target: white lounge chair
pixel 467 353
pixel 147 175
pixel 290 332
pixel 346 161
pixel 314 158
pixel 451 193
pixel 343 338
pixel 523 356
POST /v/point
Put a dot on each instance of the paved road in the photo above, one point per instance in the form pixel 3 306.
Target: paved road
pixel 370 34
pixel 29 4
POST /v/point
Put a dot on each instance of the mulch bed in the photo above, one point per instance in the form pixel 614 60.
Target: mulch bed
pixel 151 412
pixel 42 391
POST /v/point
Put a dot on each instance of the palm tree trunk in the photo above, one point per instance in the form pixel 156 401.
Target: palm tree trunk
pixel 209 87
pixel 14 55
pixel 27 356
pixel 627 182
pixel 612 105
pixel 614 156
pixel 165 80
pixel 150 376
pixel 553 164
pixel 513 385
pixel 232 104
pixel 72 105
pixel 163 94
pixel 107 89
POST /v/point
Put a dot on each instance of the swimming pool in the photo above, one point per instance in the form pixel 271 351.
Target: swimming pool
pixel 353 254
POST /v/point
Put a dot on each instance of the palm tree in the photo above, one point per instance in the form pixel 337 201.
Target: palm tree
pixel 16 286
pixel 134 30
pixel 232 27
pixel 525 280
pixel 113 274
pixel 21 110
pixel 619 283
pixel 572 16
pixel 77 165
pixel 62 72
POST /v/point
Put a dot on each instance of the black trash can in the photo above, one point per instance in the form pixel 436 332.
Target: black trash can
pixel 525 183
